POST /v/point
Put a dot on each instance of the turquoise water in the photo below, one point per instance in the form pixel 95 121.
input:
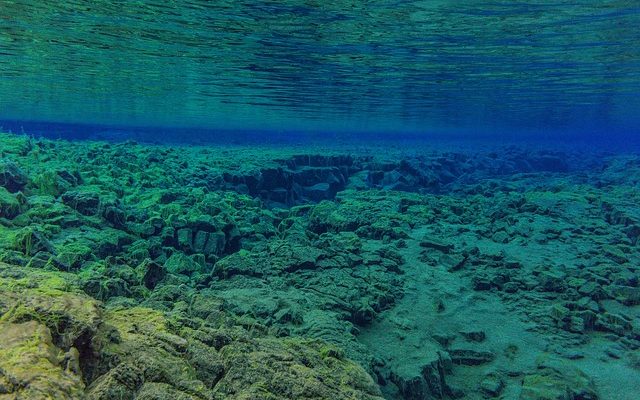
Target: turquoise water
pixel 323 200
pixel 390 66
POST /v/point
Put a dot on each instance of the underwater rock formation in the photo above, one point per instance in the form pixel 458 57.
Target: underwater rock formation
pixel 138 271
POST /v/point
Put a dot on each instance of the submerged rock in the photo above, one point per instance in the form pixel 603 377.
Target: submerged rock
pixel 9 204
pixel 12 177
pixel 557 380
pixel 32 367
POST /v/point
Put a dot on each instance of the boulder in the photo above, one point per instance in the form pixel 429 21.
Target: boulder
pixel 557 380
pixel 32 367
pixel 12 177
pixel 9 205
pixel 86 202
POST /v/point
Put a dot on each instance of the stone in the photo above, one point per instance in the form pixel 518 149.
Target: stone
pixel 200 241
pixel 185 239
pixel 470 356
pixel 500 237
pixel 557 380
pixel 452 262
pixel 153 273
pixel 474 335
pixel 551 281
pixel 12 178
pixel 86 202
pixel 425 379
pixel 435 244
pixel 318 192
pixel 615 323
pixel 179 263
pixel 9 205
pixel 492 385
pixel 627 295
pixel 215 243
pixel 31 365
pixel 290 369
pixel 615 254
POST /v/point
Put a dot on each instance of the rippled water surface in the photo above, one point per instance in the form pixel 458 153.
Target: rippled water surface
pixel 340 64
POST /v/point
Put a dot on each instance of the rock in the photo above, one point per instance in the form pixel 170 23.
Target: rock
pixel 86 202
pixel 12 178
pixel 290 369
pixel 615 323
pixel 31 365
pixel 500 237
pixel 179 263
pixel 452 262
pixel 551 281
pixel 207 363
pixel 105 288
pixel 30 242
pixel 435 244
pixel 627 295
pixel 216 242
pixel 557 380
pixel 318 192
pixel 9 205
pixel 470 356
pixel 615 254
pixel 54 182
pixel 474 335
pixel 153 273
pixel 185 236
pixel 424 380
pixel 492 385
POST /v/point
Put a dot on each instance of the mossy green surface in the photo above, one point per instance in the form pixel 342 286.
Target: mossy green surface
pixel 183 272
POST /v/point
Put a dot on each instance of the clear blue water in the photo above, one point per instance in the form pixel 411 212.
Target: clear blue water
pixel 501 68
pixel 433 192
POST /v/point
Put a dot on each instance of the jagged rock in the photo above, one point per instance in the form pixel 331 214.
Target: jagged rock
pixel 12 177
pixel 627 295
pixel 551 281
pixel 179 263
pixel 86 202
pixel 474 335
pixel 426 380
pixel 55 182
pixel 492 385
pixel 290 369
pixel 436 244
pixel 30 242
pixel 615 323
pixel 452 262
pixel 9 204
pixel 557 380
pixel 32 367
pixel 470 356
pixel 153 273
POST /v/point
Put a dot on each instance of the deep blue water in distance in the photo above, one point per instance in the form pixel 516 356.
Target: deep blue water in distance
pixel 270 71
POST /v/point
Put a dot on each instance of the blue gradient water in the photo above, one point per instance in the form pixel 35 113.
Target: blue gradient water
pixel 501 68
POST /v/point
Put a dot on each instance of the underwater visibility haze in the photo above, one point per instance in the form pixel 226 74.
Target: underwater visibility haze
pixel 386 199
pixel 389 66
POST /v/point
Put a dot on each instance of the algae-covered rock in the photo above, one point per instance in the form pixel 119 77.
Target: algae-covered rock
pixel 9 205
pixel 12 177
pixel 557 380
pixel 54 339
pixel 290 369
pixel 32 367
pixel 86 201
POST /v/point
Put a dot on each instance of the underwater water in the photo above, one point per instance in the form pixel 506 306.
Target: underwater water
pixel 402 200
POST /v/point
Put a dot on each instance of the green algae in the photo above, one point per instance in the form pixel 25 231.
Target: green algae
pixel 193 267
